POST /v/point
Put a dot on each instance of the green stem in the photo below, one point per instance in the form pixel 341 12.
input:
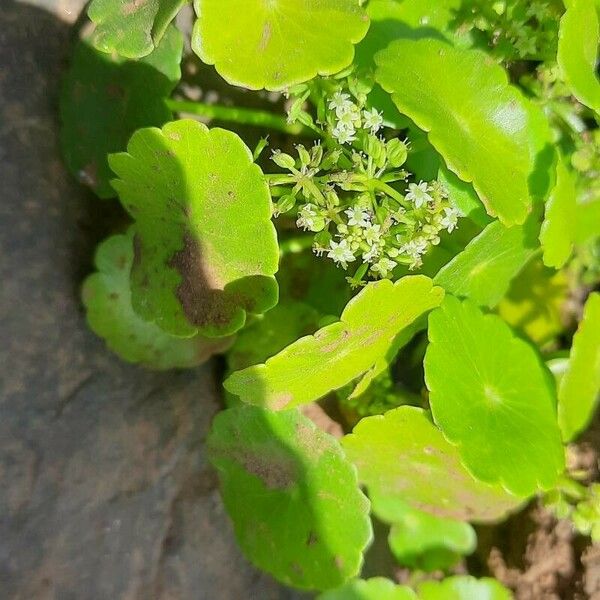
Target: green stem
pixel 389 190
pixel 243 116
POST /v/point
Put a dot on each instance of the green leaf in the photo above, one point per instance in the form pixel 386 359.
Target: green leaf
pixel 580 385
pixel 534 302
pixel 294 499
pixel 107 299
pixel 205 248
pixel 578 40
pixel 276 44
pixel 403 457
pixel 105 99
pixel 131 28
pixel 492 397
pixel 484 269
pixel 588 221
pixel 463 587
pixel 271 333
pixel 559 229
pixel 340 352
pixel 487 132
pixel 423 541
pixel 376 588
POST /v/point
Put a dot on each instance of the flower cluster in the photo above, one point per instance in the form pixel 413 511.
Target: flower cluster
pixel 515 29
pixel 352 192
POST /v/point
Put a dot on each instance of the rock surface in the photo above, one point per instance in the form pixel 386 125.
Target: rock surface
pixel 105 492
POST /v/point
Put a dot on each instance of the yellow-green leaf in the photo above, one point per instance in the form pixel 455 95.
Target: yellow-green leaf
pixel 486 130
pixel 580 385
pixel 340 352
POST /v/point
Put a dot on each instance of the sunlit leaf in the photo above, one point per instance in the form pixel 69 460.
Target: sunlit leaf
pixel 271 333
pixel 402 456
pixel 560 223
pixel 580 385
pixel 205 248
pixel 106 98
pixel 131 28
pixel 484 269
pixel 534 302
pixel 377 588
pixel 588 221
pixel 493 398
pixel 420 540
pixel 294 499
pixel 340 352
pixel 487 132
pixel 578 40
pixel 107 299
pixel 275 44
pixel 463 587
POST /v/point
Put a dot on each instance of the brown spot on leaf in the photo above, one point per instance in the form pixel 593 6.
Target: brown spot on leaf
pixel 266 36
pixel 133 6
pixel 312 538
pixel 201 290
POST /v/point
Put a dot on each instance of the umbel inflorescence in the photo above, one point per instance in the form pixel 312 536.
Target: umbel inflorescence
pixel 350 189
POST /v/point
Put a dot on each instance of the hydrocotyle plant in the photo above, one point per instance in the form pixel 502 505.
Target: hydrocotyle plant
pixel 409 250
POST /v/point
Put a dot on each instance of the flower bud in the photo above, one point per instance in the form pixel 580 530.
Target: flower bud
pixel 397 152
pixel 285 161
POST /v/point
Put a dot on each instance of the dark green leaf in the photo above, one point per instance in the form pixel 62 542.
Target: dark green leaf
pixel 294 499
pixel 105 99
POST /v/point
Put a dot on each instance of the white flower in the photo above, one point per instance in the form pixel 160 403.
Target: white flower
pixel 350 118
pixel 343 134
pixel 373 120
pixel 357 216
pixel 341 253
pixel 307 217
pixel 450 219
pixel 415 248
pixel 384 266
pixel 418 193
pixel 341 103
pixel 372 234
pixel 371 254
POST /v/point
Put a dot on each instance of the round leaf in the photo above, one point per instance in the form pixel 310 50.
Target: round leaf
pixel 337 354
pixel 377 588
pixel 278 43
pixel 131 28
pixel 423 541
pixel 205 248
pixel 105 99
pixel 559 228
pixel 107 299
pixel 580 385
pixel 294 499
pixel 578 39
pixel 492 397
pixel 486 130
pixel 403 457
pixel 484 269
pixel 463 587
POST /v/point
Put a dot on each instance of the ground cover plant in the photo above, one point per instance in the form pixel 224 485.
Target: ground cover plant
pixel 397 254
